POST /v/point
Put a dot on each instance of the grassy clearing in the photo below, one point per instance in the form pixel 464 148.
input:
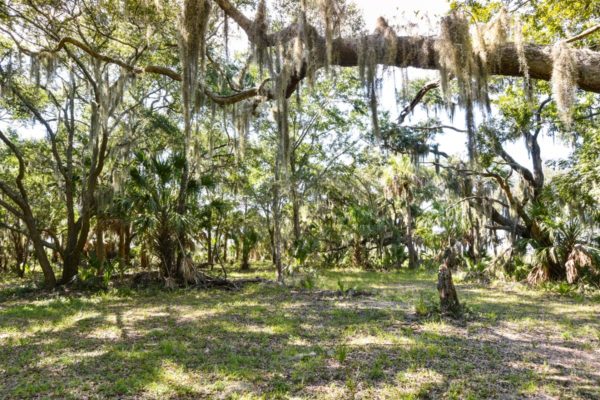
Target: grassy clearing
pixel 270 342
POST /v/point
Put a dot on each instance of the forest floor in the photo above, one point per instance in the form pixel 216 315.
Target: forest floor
pixel 267 341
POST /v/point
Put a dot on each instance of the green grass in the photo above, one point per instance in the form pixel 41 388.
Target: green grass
pixel 268 342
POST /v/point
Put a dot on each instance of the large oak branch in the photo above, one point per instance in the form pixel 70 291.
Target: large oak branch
pixel 420 52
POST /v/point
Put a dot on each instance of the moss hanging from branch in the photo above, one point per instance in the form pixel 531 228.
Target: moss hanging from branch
pixel 388 41
pixel 284 62
pixel 226 34
pixel 45 60
pixel 327 10
pixel 259 31
pixel 362 55
pixel 468 60
pixel 520 45
pixel 242 116
pixel 374 112
pixel 299 55
pixel 306 43
pixel 192 31
pixel 456 55
pixel 564 78
pixel 496 35
pixel 382 45
pixel 367 66
pixel 457 59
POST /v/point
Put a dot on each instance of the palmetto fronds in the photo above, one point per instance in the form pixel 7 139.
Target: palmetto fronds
pixel 569 255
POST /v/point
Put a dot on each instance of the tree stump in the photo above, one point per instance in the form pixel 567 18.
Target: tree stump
pixel 449 303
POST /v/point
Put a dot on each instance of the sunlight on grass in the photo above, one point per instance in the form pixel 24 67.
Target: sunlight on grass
pixel 267 341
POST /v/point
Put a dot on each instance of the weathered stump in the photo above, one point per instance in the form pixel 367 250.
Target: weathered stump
pixel 449 303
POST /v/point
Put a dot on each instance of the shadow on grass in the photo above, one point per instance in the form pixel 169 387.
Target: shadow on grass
pixel 266 341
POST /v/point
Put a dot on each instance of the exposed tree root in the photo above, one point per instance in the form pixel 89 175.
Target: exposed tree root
pixel 200 280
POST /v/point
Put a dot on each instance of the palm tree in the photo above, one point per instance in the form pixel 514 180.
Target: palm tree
pixel 158 222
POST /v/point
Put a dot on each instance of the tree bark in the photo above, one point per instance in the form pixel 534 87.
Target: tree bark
pixel 295 197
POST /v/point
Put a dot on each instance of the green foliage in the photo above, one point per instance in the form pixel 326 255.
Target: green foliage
pixel 477 270
pixel 309 280
pixel 425 307
pixel 341 353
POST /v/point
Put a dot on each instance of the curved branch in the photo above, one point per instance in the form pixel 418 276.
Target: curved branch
pixel 520 169
pixel 437 127
pixel 158 70
pixel 583 34
pixel 416 100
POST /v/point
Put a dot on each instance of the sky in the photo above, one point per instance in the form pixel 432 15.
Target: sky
pixel 391 8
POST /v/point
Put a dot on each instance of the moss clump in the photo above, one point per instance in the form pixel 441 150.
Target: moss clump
pixel 564 78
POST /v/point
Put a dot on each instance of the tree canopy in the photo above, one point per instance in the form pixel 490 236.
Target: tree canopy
pixel 151 134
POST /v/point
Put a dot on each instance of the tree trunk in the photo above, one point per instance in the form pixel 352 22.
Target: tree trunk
pixel 144 259
pixel 40 251
pixel 168 254
pixel 271 242
pixel 413 256
pixel 474 238
pixel 100 250
pixel 209 246
pixel 277 237
pixel 70 266
pixel 295 208
pixel 360 256
pixel 276 207
pixel 77 235
pixel 2 260
pixel 20 253
pixel 42 257
pixel 225 239
pixel 245 265
pixel 237 250
pixel 128 239
pixel 122 245
pixel 216 248
pixel 25 259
